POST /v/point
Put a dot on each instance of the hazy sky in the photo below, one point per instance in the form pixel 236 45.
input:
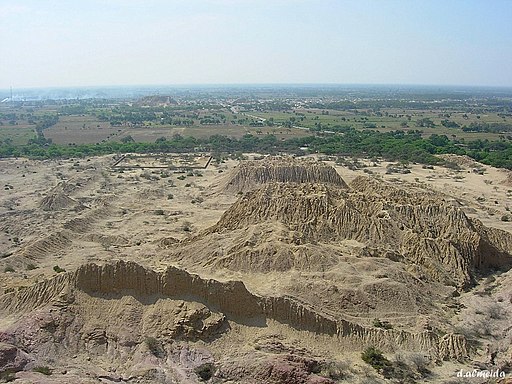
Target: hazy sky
pixel 114 42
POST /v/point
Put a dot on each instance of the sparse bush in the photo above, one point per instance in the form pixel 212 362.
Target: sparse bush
pixel 30 266
pixel 7 376
pixel 205 371
pixel 58 269
pixel 495 311
pixel 377 323
pixel 374 357
pixel 43 369
pixel 182 177
pixel 335 370
pixel 506 218
pixel 8 269
pixel 159 212
pixel 154 346
pixel 170 196
pixel 420 362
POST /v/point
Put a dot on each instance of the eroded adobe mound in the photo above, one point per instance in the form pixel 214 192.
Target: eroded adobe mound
pixel 249 175
pixel 125 316
pixel 282 226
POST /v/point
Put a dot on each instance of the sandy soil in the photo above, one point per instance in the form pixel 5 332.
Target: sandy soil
pixel 60 214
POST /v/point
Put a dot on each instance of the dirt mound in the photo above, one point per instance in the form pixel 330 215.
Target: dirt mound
pixel 55 201
pixel 461 160
pixel 58 198
pixel 281 225
pixel 508 178
pixel 121 314
pixel 250 175
pixel 50 244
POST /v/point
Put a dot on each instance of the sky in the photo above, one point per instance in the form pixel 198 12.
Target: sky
pixel 61 43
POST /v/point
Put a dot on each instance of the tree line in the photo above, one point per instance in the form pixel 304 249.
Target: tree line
pixel 397 145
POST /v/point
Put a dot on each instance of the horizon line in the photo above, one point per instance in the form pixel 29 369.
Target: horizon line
pixel 228 85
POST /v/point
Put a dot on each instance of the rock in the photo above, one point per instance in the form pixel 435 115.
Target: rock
pixel 12 358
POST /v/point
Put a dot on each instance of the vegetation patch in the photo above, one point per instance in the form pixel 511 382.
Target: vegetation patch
pixel 43 369
pixel 374 357
pixel 205 371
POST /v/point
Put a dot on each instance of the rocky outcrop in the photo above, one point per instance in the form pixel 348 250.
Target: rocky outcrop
pixel 250 175
pixel 290 370
pixel 12 358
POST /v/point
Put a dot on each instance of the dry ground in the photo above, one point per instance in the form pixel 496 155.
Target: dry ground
pixel 136 215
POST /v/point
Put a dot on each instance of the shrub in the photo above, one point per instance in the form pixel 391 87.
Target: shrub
pixel 43 369
pixel 205 371
pixel 30 266
pixel 374 357
pixel 377 323
pixel 58 269
pixel 170 196
pixel 335 370
pixel 495 311
pixel 7 376
pixel 154 346
pixel 420 362
pixel 8 269
pixel 187 226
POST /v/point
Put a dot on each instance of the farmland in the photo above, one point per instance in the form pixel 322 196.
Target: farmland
pixel 475 122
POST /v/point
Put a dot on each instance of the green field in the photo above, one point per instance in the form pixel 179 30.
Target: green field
pixel 19 134
pixel 409 127
pixel 388 120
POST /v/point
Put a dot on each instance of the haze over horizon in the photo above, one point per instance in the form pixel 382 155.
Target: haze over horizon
pixel 54 43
